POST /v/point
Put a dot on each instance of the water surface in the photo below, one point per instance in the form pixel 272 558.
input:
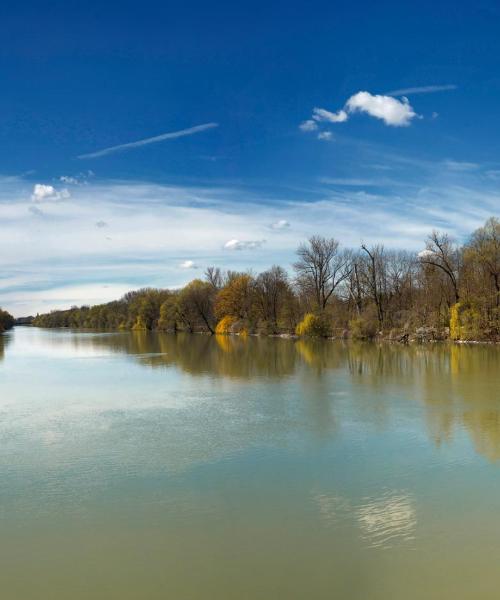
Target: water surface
pixel 142 465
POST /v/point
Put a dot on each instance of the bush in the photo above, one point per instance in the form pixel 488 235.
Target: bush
pixel 465 322
pixel 313 326
pixel 363 328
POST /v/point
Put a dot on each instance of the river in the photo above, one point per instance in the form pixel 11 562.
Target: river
pixel 144 466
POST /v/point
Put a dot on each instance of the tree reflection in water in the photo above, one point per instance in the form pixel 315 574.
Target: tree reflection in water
pixel 4 342
pixel 457 385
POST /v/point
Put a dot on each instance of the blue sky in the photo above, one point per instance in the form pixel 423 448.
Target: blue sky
pixel 406 137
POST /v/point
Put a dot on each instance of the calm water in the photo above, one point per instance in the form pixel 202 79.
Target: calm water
pixel 148 466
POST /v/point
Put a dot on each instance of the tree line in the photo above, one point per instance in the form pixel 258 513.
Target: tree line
pixel 447 290
pixel 6 321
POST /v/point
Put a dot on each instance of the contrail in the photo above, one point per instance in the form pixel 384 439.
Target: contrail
pixel 152 140
pixel 424 89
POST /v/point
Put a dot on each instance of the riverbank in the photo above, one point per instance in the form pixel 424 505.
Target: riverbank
pixel 346 337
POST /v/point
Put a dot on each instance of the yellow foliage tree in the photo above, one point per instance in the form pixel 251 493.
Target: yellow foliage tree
pixel 455 321
pixel 225 324
pixel 465 322
pixel 235 298
pixel 312 325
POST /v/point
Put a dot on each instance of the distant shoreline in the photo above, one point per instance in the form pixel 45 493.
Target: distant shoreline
pixel 283 336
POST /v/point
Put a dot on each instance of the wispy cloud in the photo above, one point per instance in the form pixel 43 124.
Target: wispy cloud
pixel 460 165
pixel 188 264
pixel 34 210
pixel 352 181
pixel 243 244
pixel 308 125
pixel 321 114
pixel 493 174
pixel 158 227
pixel 80 179
pixel 152 140
pixel 423 89
pixel 281 224
pixel 326 136
pixel 69 179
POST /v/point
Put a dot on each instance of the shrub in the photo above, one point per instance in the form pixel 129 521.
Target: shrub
pixel 313 326
pixel 363 328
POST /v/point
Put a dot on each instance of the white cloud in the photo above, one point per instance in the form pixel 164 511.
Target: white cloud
pixel 156 227
pixel 308 125
pixel 243 245
pixel 80 179
pixel 325 136
pixel 69 179
pixel 425 253
pixel 394 112
pixel 188 264
pixel 424 89
pixel 48 193
pixel 281 224
pixel 321 114
pixel 152 140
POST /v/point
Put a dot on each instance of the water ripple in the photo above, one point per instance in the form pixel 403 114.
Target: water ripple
pixel 388 520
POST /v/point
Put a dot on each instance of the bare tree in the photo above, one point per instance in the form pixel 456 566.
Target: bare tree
pixel 215 277
pixel 321 268
pixel 354 285
pixel 271 290
pixel 400 267
pixel 441 253
pixel 375 278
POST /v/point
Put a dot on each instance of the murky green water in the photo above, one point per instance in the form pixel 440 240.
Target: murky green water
pixel 145 466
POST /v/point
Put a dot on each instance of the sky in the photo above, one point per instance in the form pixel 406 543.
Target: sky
pixel 142 142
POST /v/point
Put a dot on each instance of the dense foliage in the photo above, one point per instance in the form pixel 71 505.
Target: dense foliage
pixel 445 291
pixel 6 321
